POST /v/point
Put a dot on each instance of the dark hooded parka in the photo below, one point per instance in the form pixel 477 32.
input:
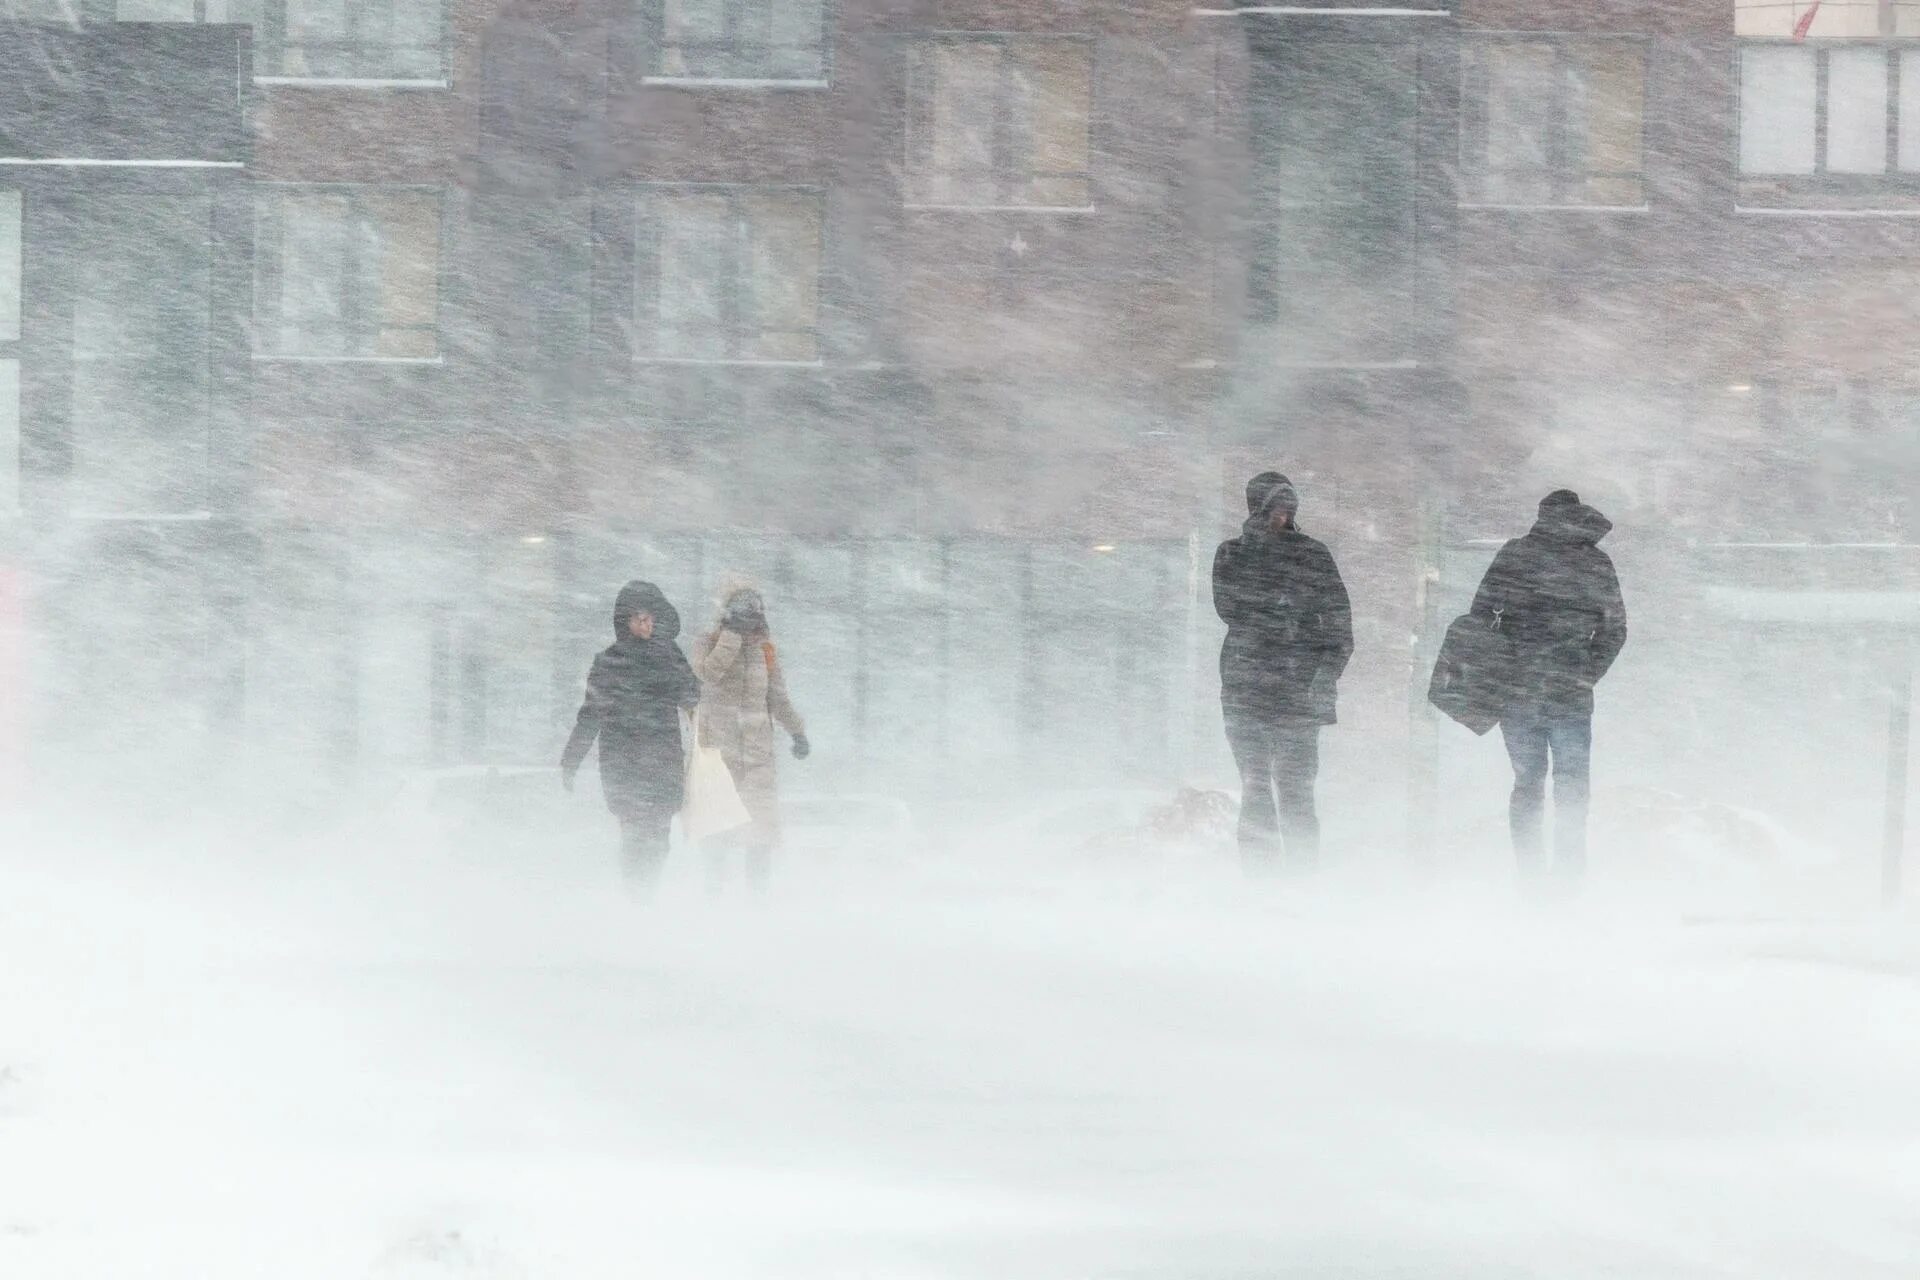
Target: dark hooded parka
pixel 1289 622
pixel 1557 600
pixel 635 694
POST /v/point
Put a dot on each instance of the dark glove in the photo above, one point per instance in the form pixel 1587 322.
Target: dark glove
pixel 801 747
pixel 745 613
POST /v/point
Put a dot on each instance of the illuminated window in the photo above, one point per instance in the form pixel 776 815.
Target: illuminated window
pixel 999 121
pixel 343 39
pixel 728 273
pixel 739 39
pixel 1553 122
pixel 347 272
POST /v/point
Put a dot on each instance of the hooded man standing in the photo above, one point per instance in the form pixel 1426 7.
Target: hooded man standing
pixel 1289 635
pixel 1556 598
pixel 636 691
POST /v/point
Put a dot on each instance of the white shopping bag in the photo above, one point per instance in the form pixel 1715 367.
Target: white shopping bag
pixel 712 803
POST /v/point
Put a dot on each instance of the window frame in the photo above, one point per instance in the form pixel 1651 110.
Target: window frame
pixel 1002 176
pixel 269 28
pixel 1823 181
pixel 645 293
pixel 270 40
pixel 352 307
pixel 653 27
pixel 1475 133
pixel 13 328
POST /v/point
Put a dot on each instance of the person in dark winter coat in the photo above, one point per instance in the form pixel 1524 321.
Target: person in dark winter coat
pixel 636 691
pixel 1555 596
pixel 1289 635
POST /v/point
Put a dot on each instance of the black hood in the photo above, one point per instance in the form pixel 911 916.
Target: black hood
pixel 1564 518
pixel 1266 493
pixel 644 597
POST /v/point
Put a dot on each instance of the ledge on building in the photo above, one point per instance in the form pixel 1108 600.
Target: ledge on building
pixel 264 357
pixel 730 82
pixel 348 82
pixel 94 162
pixel 1477 206
pixel 1048 209
pixel 730 362
pixel 1817 211
pixel 1319 11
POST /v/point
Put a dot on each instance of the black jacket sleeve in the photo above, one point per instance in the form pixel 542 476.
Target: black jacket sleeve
pixel 686 685
pixel 1500 585
pixel 1336 619
pixel 1610 637
pixel 1228 599
pixel 586 726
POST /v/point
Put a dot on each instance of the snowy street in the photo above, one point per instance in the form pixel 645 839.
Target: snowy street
pixel 1299 623
pixel 371 1068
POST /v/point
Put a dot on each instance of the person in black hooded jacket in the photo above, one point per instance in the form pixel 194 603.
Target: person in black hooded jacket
pixel 1555 596
pixel 1289 635
pixel 635 693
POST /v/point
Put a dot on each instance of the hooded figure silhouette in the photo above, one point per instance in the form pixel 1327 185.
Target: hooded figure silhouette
pixel 1555 596
pixel 635 693
pixel 1289 635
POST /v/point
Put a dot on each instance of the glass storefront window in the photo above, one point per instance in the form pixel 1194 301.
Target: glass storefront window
pixel 11 262
pixel 9 436
pixel 141 333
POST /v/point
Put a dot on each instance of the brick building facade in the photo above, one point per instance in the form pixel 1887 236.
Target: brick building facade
pixel 958 321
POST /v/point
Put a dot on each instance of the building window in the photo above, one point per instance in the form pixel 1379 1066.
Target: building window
pixel 347 272
pixel 1849 110
pixel 725 273
pixel 1825 19
pixel 174 11
pixel 9 436
pixel 999 121
pixel 1335 135
pixel 10 262
pixel 69 13
pixel 10 280
pixel 1553 122
pixel 343 39
pixel 139 389
pixel 739 39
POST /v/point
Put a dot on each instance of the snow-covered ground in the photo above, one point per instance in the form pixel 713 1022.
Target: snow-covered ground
pixel 234 1059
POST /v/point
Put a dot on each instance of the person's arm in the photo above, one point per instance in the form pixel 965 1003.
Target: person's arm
pixel 780 704
pixel 1497 587
pixel 687 685
pixel 1336 620
pixel 586 725
pixel 715 657
pixel 1610 637
pixel 1228 600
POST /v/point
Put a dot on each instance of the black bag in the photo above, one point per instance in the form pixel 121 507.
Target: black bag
pixel 1473 677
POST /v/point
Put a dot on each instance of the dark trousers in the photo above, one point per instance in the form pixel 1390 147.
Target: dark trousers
pixel 1564 743
pixel 1279 762
pixel 643 846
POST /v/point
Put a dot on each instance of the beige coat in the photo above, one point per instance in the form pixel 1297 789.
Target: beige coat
pixel 743 694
